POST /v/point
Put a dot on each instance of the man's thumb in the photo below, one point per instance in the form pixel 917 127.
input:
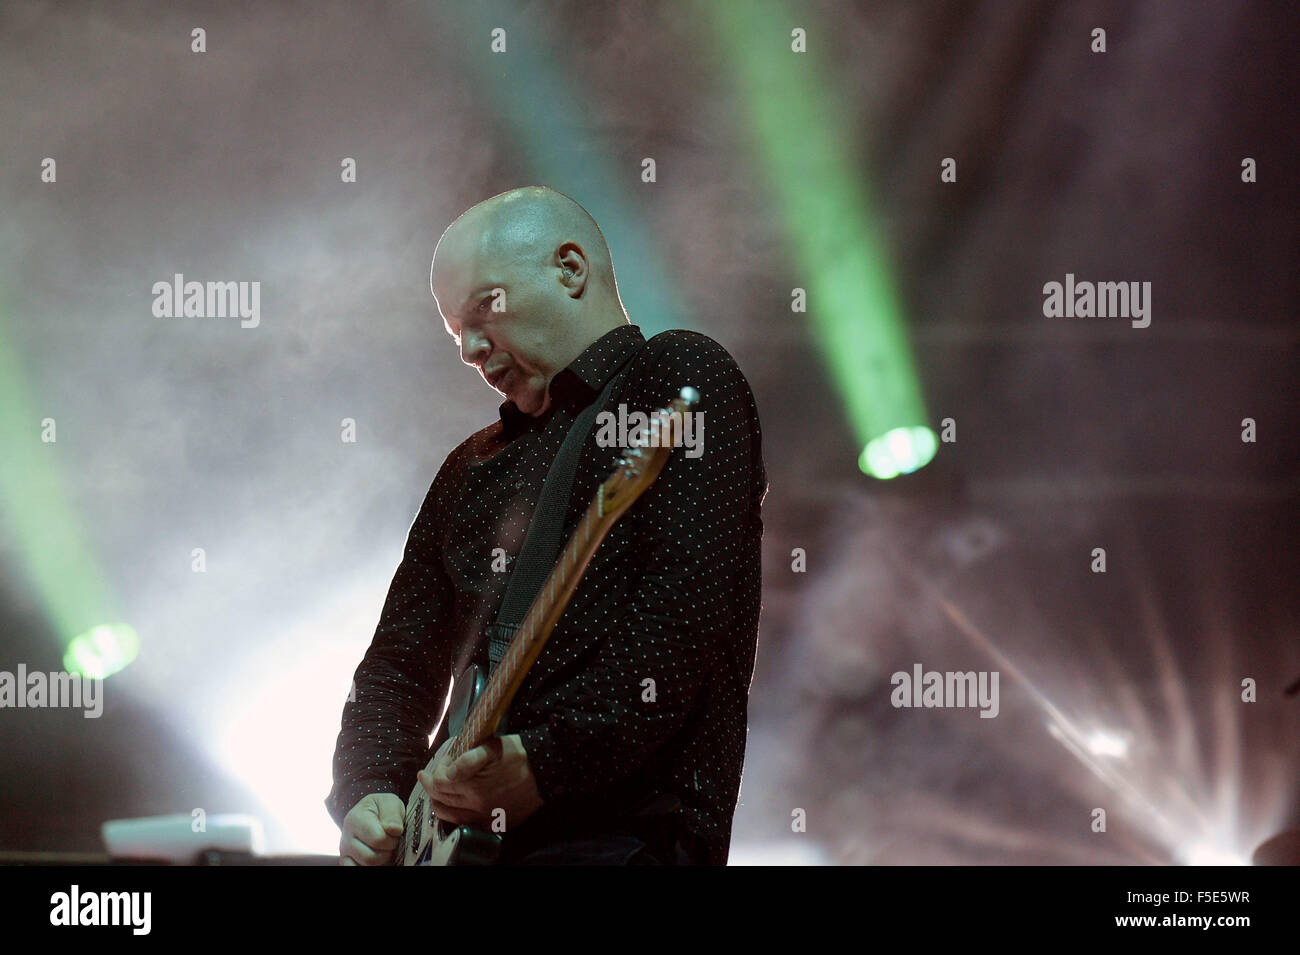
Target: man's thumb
pixel 391 816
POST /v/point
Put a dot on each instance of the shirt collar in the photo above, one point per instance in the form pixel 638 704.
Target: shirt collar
pixel 582 380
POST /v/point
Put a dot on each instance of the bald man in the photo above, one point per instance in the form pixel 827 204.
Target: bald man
pixel 626 739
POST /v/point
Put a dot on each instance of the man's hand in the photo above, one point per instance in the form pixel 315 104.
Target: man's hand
pixel 493 776
pixel 371 830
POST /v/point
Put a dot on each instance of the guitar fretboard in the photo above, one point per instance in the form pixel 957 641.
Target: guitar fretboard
pixel 504 682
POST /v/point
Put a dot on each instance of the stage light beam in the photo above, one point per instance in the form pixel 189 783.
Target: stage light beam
pixel 802 135
pixel 40 519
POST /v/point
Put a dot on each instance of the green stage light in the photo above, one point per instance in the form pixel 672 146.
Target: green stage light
pixel 563 149
pixel 900 451
pixel 101 651
pixel 803 138
pixel 36 510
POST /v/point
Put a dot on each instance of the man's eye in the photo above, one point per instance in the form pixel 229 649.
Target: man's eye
pixel 483 304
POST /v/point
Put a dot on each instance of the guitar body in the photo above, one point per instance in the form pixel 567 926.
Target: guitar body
pixel 435 842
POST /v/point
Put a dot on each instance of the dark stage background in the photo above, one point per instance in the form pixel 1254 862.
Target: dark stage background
pixel 1120 690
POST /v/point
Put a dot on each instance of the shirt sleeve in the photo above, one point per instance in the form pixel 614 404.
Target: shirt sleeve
pixel 401 684
pixel 688 524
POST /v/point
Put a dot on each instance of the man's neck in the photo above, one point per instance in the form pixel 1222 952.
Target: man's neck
pixel 577 350
pixel 586 341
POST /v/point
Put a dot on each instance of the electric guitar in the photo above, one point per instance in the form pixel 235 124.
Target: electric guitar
pixel 479 702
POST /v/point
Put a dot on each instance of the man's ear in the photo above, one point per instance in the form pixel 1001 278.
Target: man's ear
pixel 571 260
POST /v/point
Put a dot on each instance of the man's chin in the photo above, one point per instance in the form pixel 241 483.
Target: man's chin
pixel 531 403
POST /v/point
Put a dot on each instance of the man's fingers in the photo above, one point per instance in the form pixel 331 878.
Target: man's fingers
pixel 478 757
pixel 448 812
pixel 367 827
pixel 441 789
pixel 438 795
pixel 372 830
pixel 363 854
pixel 426 781
pixel 461 817
pixel 391 813
pixel 455 814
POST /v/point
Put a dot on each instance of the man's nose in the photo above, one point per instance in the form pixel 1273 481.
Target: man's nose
pixel 474 349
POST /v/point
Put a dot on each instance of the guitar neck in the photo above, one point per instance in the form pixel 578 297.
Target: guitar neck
pixel 490 708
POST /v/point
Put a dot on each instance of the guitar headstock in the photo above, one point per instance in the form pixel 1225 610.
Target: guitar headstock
pixel 641 463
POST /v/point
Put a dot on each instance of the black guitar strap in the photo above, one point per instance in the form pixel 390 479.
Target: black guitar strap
pixel 542 542
pixel 537 558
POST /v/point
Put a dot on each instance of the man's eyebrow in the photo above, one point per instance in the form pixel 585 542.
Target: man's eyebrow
pixel 475 294
pixel 486 287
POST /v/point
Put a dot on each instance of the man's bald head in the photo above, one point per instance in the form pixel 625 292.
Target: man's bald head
pixel 524 281
pixel 531 222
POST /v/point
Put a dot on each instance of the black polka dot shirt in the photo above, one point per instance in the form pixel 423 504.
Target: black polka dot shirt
pixel 644 684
